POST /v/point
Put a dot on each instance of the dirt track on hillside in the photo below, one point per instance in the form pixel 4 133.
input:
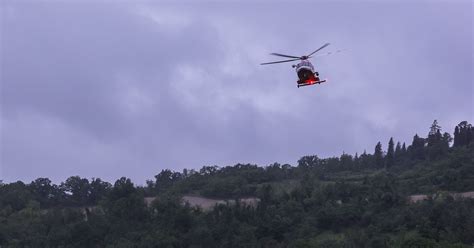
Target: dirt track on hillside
pixel 208 203
pixel 417 198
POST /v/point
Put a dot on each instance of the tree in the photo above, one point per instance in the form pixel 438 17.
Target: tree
pixel 446 140
pixel 457 137
pixel 366 160
pixel 417 148
pixel 125 202
pixel 389 159
pixel 46 194
pixel 308 162
pixel 98 190
pixel 463 134
pixel 346 161
pixel 434 136
pixel 166 178
pixel 208 170
pixel 123 187
pixel 78 190
pixel 378 155
pixel 356 163
pixel 404 148
pixel 398 150
pixel 15 196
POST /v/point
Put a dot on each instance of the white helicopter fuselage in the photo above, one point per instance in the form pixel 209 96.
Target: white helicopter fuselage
pixel 304 64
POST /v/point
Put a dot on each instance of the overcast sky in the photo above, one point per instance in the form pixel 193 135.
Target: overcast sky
pixel 128 89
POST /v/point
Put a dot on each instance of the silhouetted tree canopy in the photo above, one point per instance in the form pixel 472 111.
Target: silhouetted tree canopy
pixel 345 201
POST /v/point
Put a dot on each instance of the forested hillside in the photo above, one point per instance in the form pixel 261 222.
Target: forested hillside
pixel 359 200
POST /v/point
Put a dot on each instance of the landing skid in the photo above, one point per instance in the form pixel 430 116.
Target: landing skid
pixel 311 83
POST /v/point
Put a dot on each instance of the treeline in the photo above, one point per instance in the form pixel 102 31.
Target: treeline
pixel 75 191
pixel 346 201
pixel 450 168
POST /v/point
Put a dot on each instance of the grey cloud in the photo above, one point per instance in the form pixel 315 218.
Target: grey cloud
pixel 110 90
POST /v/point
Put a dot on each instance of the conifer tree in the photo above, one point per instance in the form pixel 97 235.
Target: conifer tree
pixel 434 127
pixel 417 147
pixel 398 150
pixel 456 137
pixel 389 159
pixel 434 136
pixel 378 154
pixel 356 161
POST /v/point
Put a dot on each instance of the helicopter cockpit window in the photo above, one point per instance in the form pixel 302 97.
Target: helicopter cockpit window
pixel 306 63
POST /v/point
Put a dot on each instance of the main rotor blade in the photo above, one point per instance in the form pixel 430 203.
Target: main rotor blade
pixel 284 55
pixel 282 61
pixel 325 45
pixel 326 54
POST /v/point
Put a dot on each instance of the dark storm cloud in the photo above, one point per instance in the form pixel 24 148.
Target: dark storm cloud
pixel 109 90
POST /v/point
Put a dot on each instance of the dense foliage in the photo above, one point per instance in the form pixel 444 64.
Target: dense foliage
pixel 346 201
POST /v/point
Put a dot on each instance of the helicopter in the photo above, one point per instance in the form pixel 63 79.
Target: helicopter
pixel 305 70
